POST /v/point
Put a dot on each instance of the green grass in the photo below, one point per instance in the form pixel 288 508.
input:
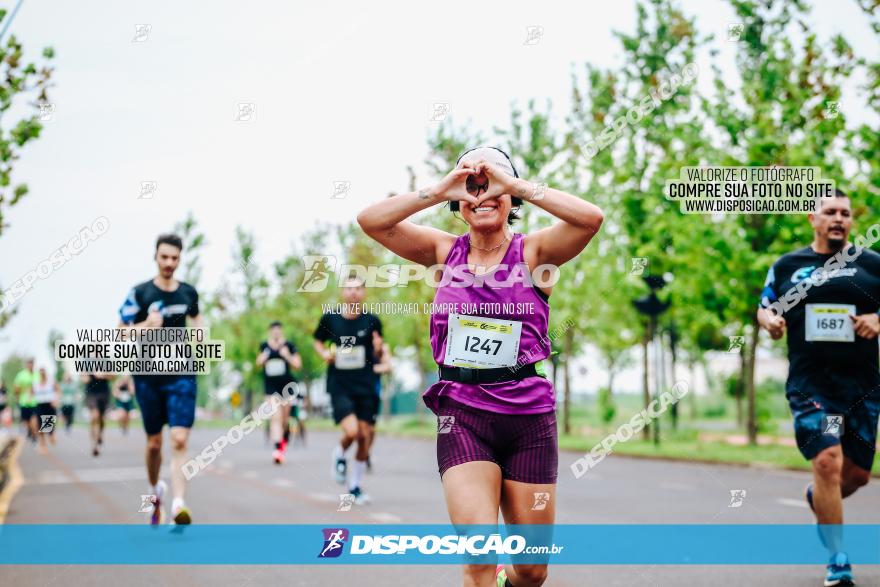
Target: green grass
pixel 685 450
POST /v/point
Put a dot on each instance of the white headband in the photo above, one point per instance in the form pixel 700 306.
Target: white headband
pixel 492 156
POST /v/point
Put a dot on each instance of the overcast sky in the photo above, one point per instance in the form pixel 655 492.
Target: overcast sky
pixel 342 92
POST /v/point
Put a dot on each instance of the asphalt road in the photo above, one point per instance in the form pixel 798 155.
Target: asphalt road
pixel 244 486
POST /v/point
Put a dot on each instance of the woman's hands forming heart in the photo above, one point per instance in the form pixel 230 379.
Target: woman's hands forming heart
pixel 474 182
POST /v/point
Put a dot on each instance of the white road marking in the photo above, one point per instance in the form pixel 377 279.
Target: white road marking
pixel 386 517
pixel 795 503
pixel 283 482
pixel 324 497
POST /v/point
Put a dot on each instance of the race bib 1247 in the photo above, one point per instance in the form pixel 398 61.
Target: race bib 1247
pixel 482 343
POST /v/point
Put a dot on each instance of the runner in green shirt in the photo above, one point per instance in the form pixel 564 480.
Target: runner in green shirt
pixel 22 387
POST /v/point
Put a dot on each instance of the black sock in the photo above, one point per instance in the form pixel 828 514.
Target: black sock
pixel 286 434
pixel 278 445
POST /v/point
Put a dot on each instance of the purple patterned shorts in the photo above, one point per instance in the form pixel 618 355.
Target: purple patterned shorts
pixel 523 446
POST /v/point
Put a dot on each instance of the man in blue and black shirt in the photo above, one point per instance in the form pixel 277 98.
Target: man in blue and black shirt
pixel 826 297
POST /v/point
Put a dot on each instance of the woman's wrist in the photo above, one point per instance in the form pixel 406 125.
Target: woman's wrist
pixel 527 190
pixel 429 193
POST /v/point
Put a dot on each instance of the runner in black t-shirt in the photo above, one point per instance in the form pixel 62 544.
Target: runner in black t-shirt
pixel 355 341
pixel 164 302
pixel 97 392
pixel 827 297
pixel 277 356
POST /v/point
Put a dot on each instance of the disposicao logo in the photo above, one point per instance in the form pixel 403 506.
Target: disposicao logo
pixel 334 541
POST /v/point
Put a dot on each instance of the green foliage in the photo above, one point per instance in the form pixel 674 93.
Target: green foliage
pixel 607 409
pixel 772 110
pixel 10 368
pixel 193 244
pixel 20 79
pixel 54 337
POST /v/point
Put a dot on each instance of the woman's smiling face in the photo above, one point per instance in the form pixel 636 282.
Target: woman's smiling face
pixel 491 214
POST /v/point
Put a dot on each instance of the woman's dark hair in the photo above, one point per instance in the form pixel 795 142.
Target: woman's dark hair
pixel 275 323
pixel 169 239
pixel 512 215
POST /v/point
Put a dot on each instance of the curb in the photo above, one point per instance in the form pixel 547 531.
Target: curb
pixel 10 474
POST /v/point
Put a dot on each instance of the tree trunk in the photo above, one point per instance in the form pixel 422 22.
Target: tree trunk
pixel 566 377
pixel 308 398
pixel 672 379
pixel 740 387
pixel 554 361
pixel 739 410
pixel 750 382
pixel 646 393
pixel 692 396
pixel 423 382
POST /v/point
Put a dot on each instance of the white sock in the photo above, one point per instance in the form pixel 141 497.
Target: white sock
pixel 338 453
pixel 176 503
pixel 357 474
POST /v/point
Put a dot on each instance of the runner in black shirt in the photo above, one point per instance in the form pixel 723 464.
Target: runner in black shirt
pixel 164 302
pixel 827 297
pixel 277 356
pixel 97 392
pixel 355 341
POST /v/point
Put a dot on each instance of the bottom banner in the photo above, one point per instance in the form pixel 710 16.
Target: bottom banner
pixel 573 544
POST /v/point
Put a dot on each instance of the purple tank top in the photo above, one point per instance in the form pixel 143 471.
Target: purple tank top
pixel 516 300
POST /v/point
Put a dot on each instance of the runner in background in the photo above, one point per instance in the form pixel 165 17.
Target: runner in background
pixel 164 302
pixel 69 396
pixel 4 403
pixel 123 388
pixel 22 387
pixel 46 396
pixel 299 413
pixel 497 446
pixel 355 341
pixel 381 368
pixel 97 390
pixel 277 357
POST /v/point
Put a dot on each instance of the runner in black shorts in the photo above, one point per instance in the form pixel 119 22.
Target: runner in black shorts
pixel 123 393
pixel 46 394
pixel 277 356
pixel 827 296
pixel 164 302
pixel 4 398
pixel 356 340
pixel 97 390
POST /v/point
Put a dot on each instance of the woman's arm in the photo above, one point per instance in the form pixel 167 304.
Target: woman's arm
pixel 386 221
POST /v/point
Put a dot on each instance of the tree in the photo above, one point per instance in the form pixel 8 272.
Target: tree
pixel 193 243
pixel 20 79
pixel 56 336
